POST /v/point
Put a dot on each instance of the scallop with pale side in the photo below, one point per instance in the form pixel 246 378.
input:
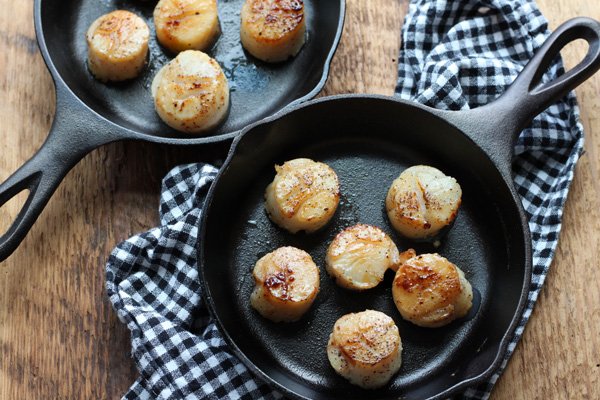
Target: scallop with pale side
pixel 422 201
pixel 287 283
pixel 365 348
pixel 191 93
pixel 303 196
pixel 187 24
pixel 359 256
pixel 430 291
pixel 273 30
pixel 117 46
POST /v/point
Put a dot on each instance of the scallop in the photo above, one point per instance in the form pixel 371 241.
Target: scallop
pixel 191 93
pixel 359 256
pixel 117 46
pixel 187 24
pixel 287 283
pixel 303 196
pixel 422 201
pixel 273 30
pixel 365 348
pixel 430 291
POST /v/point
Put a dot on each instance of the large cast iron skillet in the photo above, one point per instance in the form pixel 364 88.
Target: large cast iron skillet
pixel 369 140
pixel 90 114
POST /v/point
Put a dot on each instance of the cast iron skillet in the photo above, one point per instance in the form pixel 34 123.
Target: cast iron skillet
pixel 369 140
pixel 90 114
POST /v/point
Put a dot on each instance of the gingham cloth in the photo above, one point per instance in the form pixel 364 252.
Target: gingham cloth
pixel 456 54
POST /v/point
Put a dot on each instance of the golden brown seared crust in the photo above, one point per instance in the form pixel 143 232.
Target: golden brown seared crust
pixel 300 184
pixel 286 284
pixel 191 93
pixel 422 201
pixel 430 291
pixel 120 27
pixel 359 256
pixel 187 24
pixel 303 196
pixel 373 339
pixel 117 46
pixel 272 20
pixel 288 274
pixel 273 30
pixel 365 348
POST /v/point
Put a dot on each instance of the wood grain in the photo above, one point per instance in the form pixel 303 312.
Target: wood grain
pixel 559 356
pixel 59 338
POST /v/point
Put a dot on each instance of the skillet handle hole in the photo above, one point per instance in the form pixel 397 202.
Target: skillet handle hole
pixel 10 210
pixel 568 39
pixel 574 53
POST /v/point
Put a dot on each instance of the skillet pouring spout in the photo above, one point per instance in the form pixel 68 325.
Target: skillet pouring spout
pixel 495 127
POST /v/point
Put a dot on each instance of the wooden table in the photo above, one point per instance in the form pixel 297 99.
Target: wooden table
pixel 60 339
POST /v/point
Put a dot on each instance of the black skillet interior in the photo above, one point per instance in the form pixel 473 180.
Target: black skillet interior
pixel 90 113
pixel 257 89
pixel 368 142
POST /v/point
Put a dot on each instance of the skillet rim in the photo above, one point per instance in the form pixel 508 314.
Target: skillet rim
pixel 435 113
pixel 62 89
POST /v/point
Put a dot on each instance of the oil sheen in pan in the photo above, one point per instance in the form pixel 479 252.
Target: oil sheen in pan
pixel 365 169
pixel 257 88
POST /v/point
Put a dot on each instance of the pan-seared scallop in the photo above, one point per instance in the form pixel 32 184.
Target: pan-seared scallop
pixel 430 291
pixel 117 46
pixel 287 282
pixel 191 93
pixel 303 196
pixel 422 201
pixel 187 24
pixel 273 30
pixel 365 348
pixel 359 256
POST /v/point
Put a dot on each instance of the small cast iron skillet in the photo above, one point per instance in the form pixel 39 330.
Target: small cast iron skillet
pixel 90 114
pixel 369 140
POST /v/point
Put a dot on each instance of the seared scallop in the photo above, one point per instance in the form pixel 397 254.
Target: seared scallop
pixel 287 282
pixel 303 196
pixel 365 348
pixel 422 201
pixel 191 93
pixel 359 256
pixel 187 24
pixel 273 30
pixel 117 46
pixel 430 291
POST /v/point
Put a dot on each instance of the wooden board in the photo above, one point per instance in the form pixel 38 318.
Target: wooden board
pixel 60 339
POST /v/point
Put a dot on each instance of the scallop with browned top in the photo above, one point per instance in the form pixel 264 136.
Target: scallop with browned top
pixel 117 46
pixel 191 93
pixel 422 201
pixel 303 196
pixel 287 282
pixel 273 30
pixel 365 348
pixel 431 291
pixel 359 256
pixel 187 24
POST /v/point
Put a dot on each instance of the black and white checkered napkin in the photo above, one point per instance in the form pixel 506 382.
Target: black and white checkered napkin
pixel 456 54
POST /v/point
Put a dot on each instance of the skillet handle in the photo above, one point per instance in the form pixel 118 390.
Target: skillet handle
pixel 529 97
pixel 495 127
pixel 40 175
pixel 72 136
